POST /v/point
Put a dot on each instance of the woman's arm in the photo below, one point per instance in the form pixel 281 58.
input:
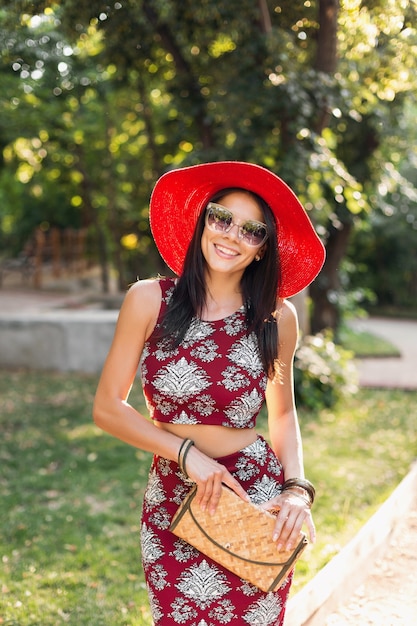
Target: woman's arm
pixel 111 410
pixel 285 436
pixel 113 413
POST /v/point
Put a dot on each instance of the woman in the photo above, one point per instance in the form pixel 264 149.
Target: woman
pixel 212 345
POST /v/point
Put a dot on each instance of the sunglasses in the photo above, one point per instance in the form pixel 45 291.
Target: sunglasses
pixel 220 219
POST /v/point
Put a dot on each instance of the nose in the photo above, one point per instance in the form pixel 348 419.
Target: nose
pixel 233 232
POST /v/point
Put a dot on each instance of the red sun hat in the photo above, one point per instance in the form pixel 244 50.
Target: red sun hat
pixel 180 196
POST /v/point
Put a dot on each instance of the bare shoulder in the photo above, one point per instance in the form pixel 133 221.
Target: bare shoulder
pixel 145 291
pixel 287 320
pixel 142 304
pixel 286 314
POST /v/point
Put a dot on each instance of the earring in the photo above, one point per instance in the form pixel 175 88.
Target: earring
pixel 258 257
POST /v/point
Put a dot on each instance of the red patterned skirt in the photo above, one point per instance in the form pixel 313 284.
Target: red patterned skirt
pixel 185 586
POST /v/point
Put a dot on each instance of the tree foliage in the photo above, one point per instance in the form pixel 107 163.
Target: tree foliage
pixel 100 98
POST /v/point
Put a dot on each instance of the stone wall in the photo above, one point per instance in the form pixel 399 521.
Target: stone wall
pixel 59 340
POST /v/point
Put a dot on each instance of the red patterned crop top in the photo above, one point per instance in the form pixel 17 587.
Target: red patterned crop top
pixel 215 376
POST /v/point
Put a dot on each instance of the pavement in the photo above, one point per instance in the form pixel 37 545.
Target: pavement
pixel 394 372
pixel 388 596
pixel 34 301
pixel 386 593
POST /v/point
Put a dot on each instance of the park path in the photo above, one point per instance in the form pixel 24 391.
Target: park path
pixel 388 596
pixel 396 372
pixel 35 301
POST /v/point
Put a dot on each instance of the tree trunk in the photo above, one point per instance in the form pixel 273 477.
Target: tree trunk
pixel 323 292
pixel 265 18
pixel 326 57
pixel 91 211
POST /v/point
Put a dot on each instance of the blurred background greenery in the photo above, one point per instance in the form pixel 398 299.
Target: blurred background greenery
pixel 98 99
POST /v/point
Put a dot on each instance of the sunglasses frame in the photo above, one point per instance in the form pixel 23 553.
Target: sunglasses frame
pixel 241 227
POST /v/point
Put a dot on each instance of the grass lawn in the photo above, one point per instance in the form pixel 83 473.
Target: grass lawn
pixel 365 344
pixel 71 495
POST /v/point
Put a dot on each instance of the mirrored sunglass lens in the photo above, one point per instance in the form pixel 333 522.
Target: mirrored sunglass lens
pixel 219 218
pixel 253 233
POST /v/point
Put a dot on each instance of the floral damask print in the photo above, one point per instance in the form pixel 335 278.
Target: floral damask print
pixel 155 605
pixel 162 404
pixel 254 458
pixel 234 379
pixel 248 589
pixel 187 588
pixel 203 584
pixel 161 518
pixel 184 551
pixel 183 379
pixel 206 352
pixel 245 352
pixel 158 577
pixel 181 489
pixel 154 494
pixel 182 611
pixel 204 405
pixel 197 331
pixel 152 549
pixel 164 349
pixel 203 378
pixel 264 489
pixel 257 451
pixel 168 294
pixel 235 323
pixel 214 376
pixel 275 467
pixel 184 418
pixel 264 612
pixel 164 466
pixel 223 613
pixel 246 469
pixel 244 408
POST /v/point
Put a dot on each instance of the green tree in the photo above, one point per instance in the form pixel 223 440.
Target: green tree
pixel 314 91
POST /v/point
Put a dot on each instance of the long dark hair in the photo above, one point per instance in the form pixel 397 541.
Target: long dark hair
pixel 260 282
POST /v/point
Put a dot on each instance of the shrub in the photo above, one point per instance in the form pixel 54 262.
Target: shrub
pixel 324 372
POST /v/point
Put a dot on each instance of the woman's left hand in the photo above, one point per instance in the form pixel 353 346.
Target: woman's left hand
pixel 293 513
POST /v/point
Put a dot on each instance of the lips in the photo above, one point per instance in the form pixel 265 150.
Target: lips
pixel 226 251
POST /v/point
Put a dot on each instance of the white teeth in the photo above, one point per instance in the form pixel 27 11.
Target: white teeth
pixel 226 251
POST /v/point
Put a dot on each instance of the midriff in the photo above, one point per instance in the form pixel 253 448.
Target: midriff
pixel 215 441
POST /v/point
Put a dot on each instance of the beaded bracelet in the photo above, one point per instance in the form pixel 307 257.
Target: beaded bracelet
pixel 301 483
pixel 182 454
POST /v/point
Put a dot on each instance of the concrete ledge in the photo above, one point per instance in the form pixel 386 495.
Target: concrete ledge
pixel 333 585
pixel 59 340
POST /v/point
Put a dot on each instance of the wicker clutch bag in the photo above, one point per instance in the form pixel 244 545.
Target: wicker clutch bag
pixel 239 537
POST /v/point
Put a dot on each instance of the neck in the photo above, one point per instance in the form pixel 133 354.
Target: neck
pixel 223 297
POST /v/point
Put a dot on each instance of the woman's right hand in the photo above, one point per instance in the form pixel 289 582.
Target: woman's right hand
pixel 209 475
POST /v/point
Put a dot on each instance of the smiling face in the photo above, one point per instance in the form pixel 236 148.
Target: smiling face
pixel 225 251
